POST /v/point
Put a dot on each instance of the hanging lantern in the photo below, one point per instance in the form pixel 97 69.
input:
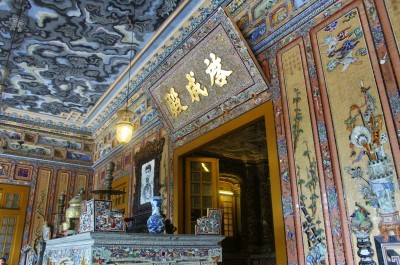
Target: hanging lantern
pixel 124 127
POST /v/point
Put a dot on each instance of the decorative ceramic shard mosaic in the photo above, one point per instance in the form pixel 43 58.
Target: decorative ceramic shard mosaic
pixel 360 123
pixel 393 8
pixel 258 19
pixel 210 224
pixel 209 69
pixel 306 171
pixel 98 216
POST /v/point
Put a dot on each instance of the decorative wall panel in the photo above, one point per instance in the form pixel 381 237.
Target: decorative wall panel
pixel 40 203
pixel 306 172
pixel 81 182
pixel 23 172
pixel 358 119
pixel 393 9
pixel 5 169
pixel 62 185
pixel 259 18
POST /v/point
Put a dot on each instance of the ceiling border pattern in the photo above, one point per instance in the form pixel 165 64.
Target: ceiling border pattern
pixel 162 55
pixel 49 124
pixel 195 22
pixel 45 161
pixel 150 67
pixel 304 17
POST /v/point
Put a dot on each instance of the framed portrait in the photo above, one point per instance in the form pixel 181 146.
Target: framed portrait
pixel 147 175
pixel 23 172
pixel 147 182
pixel 5 169
pixel 388 251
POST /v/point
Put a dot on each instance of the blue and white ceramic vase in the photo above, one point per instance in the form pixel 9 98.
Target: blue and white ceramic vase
pixel 156 222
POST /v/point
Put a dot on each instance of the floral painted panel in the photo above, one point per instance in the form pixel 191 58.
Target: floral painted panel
pixel 80 182
pixel 260 17
pixel 62 185
pixel 393 8
pixel 306 172
pixel 40 202
pixel 358 122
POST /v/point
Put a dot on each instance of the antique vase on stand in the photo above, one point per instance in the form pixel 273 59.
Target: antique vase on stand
pixel 156 222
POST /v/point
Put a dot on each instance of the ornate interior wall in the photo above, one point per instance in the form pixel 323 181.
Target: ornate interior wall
pixel 333 70
pixel 46 181
pixel 337 85
pixel 333 81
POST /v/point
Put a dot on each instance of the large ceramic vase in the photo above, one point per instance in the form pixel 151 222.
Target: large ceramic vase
pixel 156 222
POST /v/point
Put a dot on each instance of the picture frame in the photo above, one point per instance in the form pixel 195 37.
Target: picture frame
pixel 23 172
pixel 388 252
pixel 5 169
pixel 30 138
pixel 118 165
pixel 127 160
pixel 147 157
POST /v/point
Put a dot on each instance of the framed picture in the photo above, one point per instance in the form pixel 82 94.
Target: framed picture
pixel 388 252
pixel 88 147
pixel 5 169
pixel 30 137
pixel 118 165
pixel 147 182
pixel 127 160
pixel 23 172
pixel 147 175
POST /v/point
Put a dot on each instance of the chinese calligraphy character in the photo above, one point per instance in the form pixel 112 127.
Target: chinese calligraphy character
pixel 174 102
pixel 194 88
pixel 217 75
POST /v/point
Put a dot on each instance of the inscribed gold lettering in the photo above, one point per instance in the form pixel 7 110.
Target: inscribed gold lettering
pixel 215 71
pixel 174 102
pixel 195 88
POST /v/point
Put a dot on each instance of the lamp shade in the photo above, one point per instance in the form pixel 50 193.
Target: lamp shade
pixel 124 128
pixel 124 131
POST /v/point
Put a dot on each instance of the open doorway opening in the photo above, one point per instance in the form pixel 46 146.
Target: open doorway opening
pixel 235 168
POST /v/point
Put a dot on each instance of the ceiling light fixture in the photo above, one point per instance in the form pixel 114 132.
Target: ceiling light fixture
pixel 225 192
pixel 124 126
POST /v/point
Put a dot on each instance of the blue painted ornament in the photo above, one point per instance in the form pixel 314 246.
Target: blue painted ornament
pixel 156 222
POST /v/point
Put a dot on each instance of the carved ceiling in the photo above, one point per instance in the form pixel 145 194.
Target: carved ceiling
pixel 63 55
pixel 247 144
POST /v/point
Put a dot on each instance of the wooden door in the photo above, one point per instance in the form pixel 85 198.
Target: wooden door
pixel 13 203
pixel 201 189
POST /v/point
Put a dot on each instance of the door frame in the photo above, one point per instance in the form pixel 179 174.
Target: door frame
pixel 266 112
pixel 19 232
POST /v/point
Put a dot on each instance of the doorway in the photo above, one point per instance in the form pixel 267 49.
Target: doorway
pixel 246 183
pixel 13 203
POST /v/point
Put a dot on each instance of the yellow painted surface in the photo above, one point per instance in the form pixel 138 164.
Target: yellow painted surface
pixel 18 213
pixel 41 195
pixel 344 93
pixel 296 93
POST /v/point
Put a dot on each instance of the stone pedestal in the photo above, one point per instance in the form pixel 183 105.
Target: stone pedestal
pixel 118 248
